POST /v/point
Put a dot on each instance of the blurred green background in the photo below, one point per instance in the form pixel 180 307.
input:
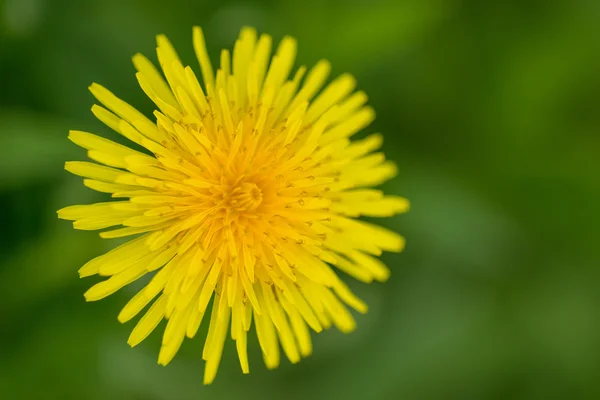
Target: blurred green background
pixel 492 112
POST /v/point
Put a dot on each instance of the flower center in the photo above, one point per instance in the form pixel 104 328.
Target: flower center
pixel 245 197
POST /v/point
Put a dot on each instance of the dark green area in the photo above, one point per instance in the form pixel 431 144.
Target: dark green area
pixel 492 112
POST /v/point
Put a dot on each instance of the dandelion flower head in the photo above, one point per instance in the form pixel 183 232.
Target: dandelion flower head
pixel 245 191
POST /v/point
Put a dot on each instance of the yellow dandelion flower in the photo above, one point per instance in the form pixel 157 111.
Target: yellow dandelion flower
pixel 244 191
